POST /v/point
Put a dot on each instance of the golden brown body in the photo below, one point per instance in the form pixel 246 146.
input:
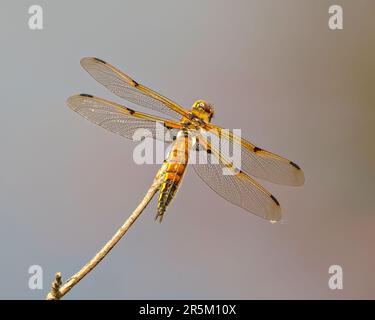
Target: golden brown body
pixel 173 170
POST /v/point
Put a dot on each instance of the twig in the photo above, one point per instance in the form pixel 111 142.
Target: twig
pixel 58 291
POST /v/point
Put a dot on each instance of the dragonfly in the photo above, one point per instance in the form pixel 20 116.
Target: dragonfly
pixel 189 131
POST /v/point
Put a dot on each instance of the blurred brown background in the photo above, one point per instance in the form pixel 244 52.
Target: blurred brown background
pixel 272 68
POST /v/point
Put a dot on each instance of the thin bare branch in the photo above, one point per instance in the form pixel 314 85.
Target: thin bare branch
pixel 58 290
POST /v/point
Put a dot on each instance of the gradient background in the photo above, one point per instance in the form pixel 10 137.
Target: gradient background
pixel 272 68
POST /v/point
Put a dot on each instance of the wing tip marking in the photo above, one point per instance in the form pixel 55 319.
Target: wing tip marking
pixel 275 200
pixel 86 95
pixel 295 165
pixel 100 60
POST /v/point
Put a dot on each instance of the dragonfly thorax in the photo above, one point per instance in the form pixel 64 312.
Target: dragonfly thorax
pixel 203 110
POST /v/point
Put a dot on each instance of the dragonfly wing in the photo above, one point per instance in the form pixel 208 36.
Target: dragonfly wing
pixel 235 186
pixel 258 162
pixel 125 87
pixel 122 120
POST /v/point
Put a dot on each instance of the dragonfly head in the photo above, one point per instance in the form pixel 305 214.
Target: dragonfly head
pixel 203 110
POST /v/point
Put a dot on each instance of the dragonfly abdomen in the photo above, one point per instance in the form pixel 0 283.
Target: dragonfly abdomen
pixel 174 169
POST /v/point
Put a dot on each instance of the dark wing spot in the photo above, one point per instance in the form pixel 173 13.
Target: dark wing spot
pixel 295 165
pixel 174 138
pixel 209 151
pixel 275 200
pixel 256 149
pixel 166 126
pixel 135 83
pixel 86 95
pixel 130 110
pixel 100 60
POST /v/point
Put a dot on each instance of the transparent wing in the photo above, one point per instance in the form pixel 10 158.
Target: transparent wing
pixel 121 120
pixel 259 162
pixel 125 87
pixel 236 186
